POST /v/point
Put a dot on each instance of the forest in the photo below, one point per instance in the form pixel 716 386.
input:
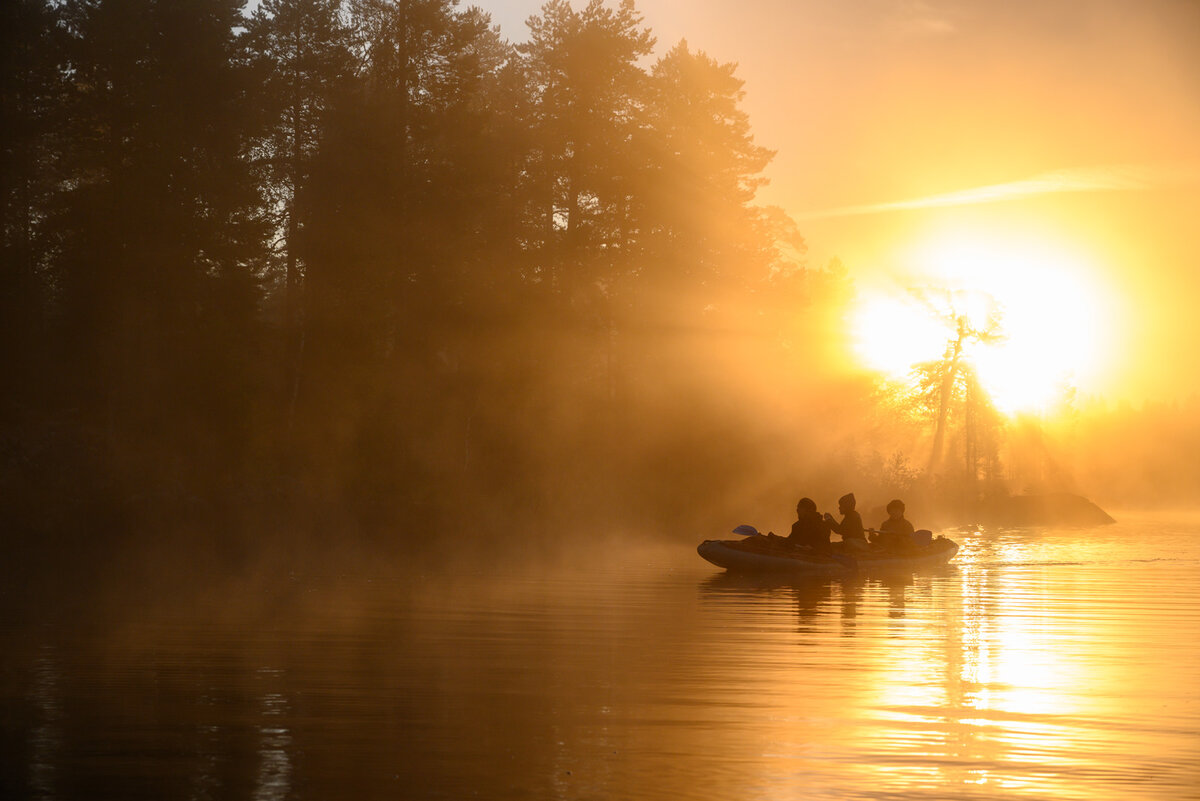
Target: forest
pixel 369 273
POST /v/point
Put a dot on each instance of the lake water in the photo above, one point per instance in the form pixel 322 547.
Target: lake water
pixel 1043 663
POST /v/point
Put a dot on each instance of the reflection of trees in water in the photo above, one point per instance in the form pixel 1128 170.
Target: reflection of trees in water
pixel 46 742
pixel 274 780
pixel 110 716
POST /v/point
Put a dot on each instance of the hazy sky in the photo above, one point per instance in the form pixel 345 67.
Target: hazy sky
pixel 1081 117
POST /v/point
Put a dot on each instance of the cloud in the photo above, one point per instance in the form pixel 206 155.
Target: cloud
pixel 921 19
pixel 1106 178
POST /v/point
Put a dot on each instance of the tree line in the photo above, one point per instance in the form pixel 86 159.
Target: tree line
pixel 371 253
pixel 368 260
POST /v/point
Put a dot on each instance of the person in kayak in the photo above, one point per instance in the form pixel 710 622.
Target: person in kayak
pixel 851 527
pixel 895 533
pixel 810 529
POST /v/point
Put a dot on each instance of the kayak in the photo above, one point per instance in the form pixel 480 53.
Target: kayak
pixel 760 555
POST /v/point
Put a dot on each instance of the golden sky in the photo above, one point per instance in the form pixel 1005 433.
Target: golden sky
pixel 1070 127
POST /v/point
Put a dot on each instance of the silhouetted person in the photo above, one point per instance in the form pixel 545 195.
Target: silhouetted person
pixel 851 527
pixel 895 533
pixel 810 529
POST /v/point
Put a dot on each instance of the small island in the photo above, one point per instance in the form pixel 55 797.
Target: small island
pixel 1046 509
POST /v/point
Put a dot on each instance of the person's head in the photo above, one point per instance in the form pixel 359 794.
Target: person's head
pixel 846 503
pixel 895 509
pixel 806 506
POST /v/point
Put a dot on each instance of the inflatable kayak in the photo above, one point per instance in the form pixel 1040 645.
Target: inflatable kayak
pixel 757 554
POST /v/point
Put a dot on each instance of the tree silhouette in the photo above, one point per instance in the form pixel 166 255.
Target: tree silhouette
pixel 31 116
pixel 701 235
pixel 971 319
pixel 300 51
pixel 159 234
pixel 588 104
pixel 370 254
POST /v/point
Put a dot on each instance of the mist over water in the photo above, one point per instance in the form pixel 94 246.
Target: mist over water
pixel 1041 663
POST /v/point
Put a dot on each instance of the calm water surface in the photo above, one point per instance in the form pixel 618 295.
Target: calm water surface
pixel 1044 663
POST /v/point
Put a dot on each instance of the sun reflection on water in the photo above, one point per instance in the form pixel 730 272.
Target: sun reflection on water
pixel 1002 691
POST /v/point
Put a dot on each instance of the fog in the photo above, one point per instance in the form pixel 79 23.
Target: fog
pixel 368 285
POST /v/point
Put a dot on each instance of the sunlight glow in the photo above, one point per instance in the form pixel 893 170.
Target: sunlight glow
pixel 1056 321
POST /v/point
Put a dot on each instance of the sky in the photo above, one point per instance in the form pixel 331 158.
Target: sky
pixel 1052 142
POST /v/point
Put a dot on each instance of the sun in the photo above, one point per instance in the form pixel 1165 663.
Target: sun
pixel 1055 317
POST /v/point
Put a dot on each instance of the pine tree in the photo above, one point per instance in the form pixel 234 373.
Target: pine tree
pixel 301 53
pixel 160 231
pixel 701 228
pixel 589 101
pixel 31 114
